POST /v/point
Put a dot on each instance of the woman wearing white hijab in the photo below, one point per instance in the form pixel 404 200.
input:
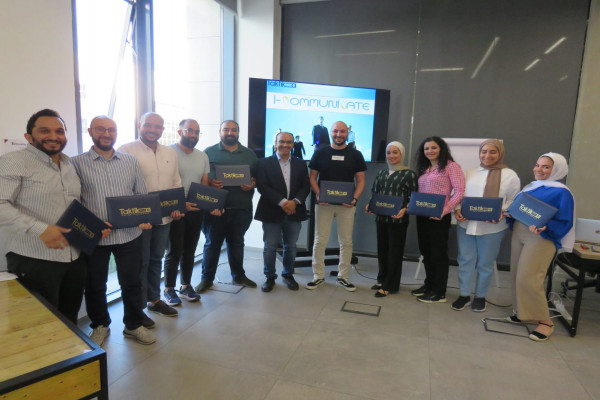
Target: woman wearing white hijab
pixel 533 248
pixel 479 241
pixel 395 180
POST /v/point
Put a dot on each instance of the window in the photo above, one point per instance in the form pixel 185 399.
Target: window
pixel 187 66
pixel 106 68
pixel 187 37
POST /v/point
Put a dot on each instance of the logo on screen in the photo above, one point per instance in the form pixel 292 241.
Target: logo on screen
pixel 291 85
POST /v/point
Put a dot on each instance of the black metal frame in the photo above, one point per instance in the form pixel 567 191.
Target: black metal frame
pixel 570 262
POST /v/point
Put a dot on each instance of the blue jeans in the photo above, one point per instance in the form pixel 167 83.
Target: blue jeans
pixel 273 233
pixel 154 244
pixel 476 253
pixel 231 228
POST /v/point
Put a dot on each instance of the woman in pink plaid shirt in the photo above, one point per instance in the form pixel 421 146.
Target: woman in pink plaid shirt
pixel 438 174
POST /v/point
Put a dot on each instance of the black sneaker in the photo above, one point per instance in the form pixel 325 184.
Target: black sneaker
pixel 513 319
pixel 147 322
pixel 203 286
pixel 268 285
pixel 315 284
pixel 432 298
pixel 244 281
pixel 346 284
pixel 290 281
pixel 461 303
pixel 420 291
pixel 478 304
pixel 160 307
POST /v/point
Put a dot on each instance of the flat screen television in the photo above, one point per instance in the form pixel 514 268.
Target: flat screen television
pixel 296 107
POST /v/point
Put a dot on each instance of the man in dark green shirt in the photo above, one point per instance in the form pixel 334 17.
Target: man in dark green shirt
pixel 233 224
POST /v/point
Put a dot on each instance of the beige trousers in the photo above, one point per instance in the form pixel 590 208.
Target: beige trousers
pixel 324 216
pixel 531 256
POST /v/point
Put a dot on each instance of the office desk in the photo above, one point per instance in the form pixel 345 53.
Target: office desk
pixel 43 356
pixel 580 260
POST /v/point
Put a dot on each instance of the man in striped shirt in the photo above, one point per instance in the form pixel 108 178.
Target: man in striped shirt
pixel 37 184
pixel 105 172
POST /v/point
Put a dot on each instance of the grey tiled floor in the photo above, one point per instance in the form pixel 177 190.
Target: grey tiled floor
pixel 300 345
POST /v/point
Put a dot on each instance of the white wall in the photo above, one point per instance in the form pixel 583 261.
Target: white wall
pixel 583 162
pixel 37 68
pixel 257 49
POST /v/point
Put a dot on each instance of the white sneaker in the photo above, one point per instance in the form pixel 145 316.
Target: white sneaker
pixel 140 334
pixel 99 334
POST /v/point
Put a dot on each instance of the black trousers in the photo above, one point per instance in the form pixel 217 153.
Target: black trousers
pixel 390 253
pixel 60 283
pixel 183 239
pixel 128 257
pixel 433 245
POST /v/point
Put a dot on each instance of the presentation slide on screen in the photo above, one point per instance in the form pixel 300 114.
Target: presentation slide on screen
pixel 298 107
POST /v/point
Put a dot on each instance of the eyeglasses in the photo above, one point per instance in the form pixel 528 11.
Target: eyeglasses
pixel 285 141
pixel 192 131
pixel 103 130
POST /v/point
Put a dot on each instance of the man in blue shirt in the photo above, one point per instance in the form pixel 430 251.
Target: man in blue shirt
pixel 105 172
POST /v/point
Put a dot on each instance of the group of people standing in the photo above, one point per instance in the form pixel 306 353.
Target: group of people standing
pixel 39 182
pixel 478 241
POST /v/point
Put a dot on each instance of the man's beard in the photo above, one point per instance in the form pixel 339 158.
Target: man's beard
pixel 40 146
pixel 190 143
pixel 102 146
pixel 230 140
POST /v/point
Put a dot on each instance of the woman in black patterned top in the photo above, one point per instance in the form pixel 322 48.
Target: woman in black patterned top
pixel 396 180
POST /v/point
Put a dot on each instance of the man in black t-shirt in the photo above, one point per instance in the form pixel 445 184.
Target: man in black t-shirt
pixel 336 162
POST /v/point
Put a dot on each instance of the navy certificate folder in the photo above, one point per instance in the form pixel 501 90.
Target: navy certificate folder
pixel 482 208
pixel 382 204
pixel 86 228
pixel 233 175
pixel 426 204
pixel 207 197
pixel 335 192
pixel 130 211
pixel 531 211
pixel 171 200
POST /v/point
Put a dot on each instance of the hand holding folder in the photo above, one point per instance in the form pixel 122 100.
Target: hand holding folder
pixel 427 204
pixel 531 211
pixel 81 228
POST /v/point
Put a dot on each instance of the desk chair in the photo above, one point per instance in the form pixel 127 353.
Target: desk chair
pixel 577 267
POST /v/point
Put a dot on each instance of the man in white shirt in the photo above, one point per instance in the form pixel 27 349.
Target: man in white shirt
pixel 161 171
